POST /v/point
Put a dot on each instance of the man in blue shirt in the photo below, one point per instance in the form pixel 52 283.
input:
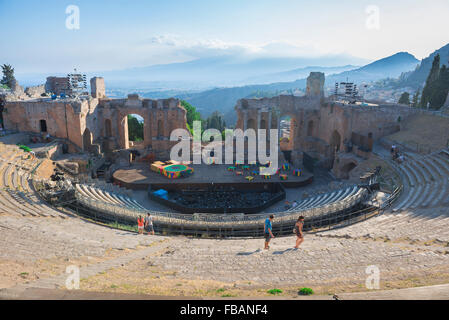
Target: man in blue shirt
pixel 268 231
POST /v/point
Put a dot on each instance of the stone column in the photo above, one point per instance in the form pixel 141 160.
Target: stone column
pixel 148 135
pixel 258 127
pixel 269 124
pixel 279 125
pixel 245 120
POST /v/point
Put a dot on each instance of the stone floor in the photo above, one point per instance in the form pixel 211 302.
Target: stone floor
pixel 35 252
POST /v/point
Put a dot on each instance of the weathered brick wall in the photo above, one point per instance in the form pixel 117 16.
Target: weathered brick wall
pixel 320 127
pixel 103 121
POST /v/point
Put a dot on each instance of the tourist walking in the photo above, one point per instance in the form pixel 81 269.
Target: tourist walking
pixel 140 224
pixel 149 224
pixel 268 231
pixel 298 230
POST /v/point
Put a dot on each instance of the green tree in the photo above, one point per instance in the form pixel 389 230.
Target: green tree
pixel 192 115
pixel 441 88
pixel 404 99
pixel 8 75
pixel 437 86
pixel 215 121
pixel 415 100
pixel 432 78
pixel 135 129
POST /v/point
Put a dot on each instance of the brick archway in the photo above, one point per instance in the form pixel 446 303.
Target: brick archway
pixel 123 126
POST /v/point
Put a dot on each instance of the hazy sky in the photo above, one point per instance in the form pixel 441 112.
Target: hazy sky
pixel 121 34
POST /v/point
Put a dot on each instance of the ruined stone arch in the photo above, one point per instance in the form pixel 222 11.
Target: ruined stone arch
pixel 310 128
pixel 43 125
pixel 123 128
pixel 107 128
pixel 251 124
pixel 87 140
pixel 335 141
pixel 293 131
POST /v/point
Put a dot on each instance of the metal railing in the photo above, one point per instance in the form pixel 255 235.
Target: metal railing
pixel 213 219
pixel 340 214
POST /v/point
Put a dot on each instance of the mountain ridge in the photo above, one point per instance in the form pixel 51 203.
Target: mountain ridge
pixel 224 99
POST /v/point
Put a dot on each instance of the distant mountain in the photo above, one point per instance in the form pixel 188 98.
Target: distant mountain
pixel 224 99
pixel 417 78
pixel 296 74
pixel 390 67
pixel 226 70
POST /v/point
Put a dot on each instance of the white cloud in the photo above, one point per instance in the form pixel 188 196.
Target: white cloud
pixel 174 48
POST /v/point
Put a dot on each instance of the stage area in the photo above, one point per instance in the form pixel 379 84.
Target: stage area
pixel 139 177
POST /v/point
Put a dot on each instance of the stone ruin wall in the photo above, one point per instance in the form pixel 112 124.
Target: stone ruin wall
pixel 319 126
pixel 63 119
pixel 98 125
pixel 161 117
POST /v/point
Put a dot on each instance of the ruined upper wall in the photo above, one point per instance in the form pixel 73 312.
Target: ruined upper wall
pixel 161 117
pixel 58 85
pixel 59 118
pixel 97 88
pixel 315 84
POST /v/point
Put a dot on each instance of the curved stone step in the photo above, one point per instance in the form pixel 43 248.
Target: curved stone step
pixel 432 194
pixel 24 204
pixel 327 197
pixel 418 192
pixel 431 174
pixel 419 172
pixel 303 203
pixel 108 196
pixel 442 194
pixel 444 165
pixel 406 200
pixel 411 177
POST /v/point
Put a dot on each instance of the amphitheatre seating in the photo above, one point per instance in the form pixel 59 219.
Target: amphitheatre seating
pixel 427 179
pixel 111 206
pixel 17 194
pixel 108 197
pixel 425 225
pixel 325 199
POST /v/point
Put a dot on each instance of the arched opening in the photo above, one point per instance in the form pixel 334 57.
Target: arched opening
pixel 335 141
pixel 346 169
pixel 310 128
pixel 43 125
pixel 251 124
pixel 286 133
pixel 107 128
pixel 135 130
pixel 87 140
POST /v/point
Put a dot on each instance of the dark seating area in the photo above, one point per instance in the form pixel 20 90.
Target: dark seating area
pixel 224 198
